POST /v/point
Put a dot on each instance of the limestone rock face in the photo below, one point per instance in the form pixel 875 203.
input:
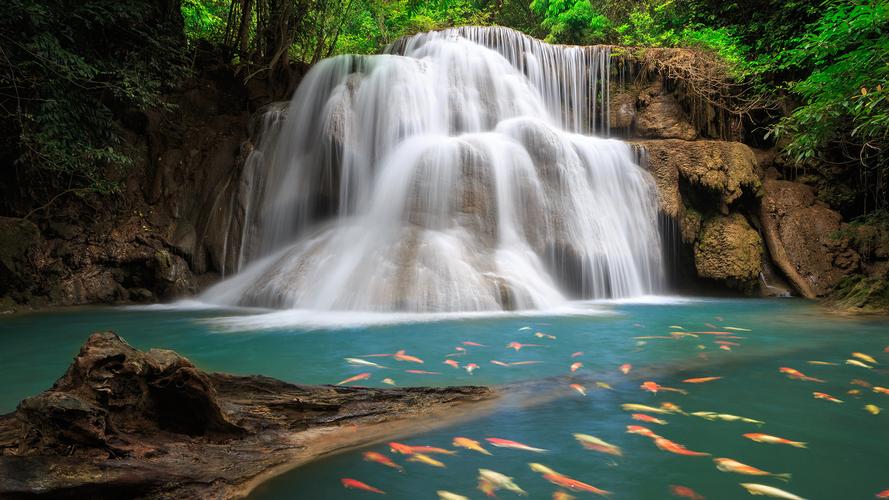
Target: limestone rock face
pixel 622 113
pixel 90 286
pixel 729 250
pixel 727 170
pixel 804 238
pixel 661 117
pixel 18 242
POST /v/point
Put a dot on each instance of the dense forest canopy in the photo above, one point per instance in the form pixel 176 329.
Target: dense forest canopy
pixel 70 68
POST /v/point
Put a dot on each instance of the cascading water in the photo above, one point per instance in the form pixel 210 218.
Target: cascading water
pixel 451 174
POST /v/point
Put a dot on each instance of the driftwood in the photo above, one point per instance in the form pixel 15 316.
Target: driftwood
pixel 127 423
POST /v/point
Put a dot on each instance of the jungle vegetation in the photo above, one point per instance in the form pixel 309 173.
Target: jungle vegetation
pixel 68 68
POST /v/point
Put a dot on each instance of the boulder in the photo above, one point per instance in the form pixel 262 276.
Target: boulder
pixel 110 387
pixel 805 238
pixel 91 285
pixel 173 275
pixel 696 178
pixel 729 250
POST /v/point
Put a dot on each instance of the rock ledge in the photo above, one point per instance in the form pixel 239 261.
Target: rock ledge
pixel 127 423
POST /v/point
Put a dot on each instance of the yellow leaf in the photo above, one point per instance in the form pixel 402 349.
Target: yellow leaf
pixel 863 90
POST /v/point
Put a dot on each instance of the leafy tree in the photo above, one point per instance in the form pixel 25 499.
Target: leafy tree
pixel 205 19
pixel 519 15
pixel 571 21
pixel 843 121
pixel 69 67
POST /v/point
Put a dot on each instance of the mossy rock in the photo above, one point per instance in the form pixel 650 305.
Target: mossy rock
pixel 723 171
pixel 730 251
pixel 860 293
pixel 690 224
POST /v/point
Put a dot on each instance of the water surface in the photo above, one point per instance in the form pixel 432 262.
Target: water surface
pixel 848 447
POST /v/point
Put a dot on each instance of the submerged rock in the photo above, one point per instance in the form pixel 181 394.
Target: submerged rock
pixel 122 423
pixel 728 249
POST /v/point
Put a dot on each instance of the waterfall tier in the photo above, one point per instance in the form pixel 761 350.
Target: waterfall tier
pixel 455 173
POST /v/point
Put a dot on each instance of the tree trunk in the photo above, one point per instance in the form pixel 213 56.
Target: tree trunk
pixel 244 31
pixel 779 255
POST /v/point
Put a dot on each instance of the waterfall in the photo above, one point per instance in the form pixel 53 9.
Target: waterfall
pixel 456 172
pixel 572 80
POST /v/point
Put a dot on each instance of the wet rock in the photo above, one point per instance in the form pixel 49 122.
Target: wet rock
pixel 140 295
pixel 93 285
pixel 622 113
pixel 335 128
pixel 476 206
pixel 773 282
pixel 690 225
pixel 697 178
pixel 729 250
pixel 183 237
pixel 173 273
pixel 123 423
pixel 805 239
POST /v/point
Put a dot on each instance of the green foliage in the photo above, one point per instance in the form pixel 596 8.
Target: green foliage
pixel 205 19
pixel 868 234
pixel 70 66
pixel 571 21
pixel 646 27
pixel 831 59
pixel 844 116
pixel 849 54
pixel 375 23
pixel 674 24
pixel 517 14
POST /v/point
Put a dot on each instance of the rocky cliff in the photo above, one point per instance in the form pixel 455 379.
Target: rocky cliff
pixel 743 219
pixel 164 235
